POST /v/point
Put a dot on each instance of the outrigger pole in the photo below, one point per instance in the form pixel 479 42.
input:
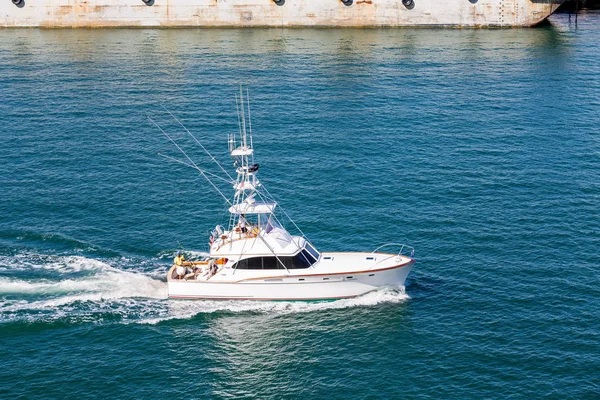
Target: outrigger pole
pixel 197 141
pixel 191 166
pixel 190 160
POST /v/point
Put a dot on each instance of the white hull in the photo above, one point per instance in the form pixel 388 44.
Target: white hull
pixel 286 13
pixel 308 285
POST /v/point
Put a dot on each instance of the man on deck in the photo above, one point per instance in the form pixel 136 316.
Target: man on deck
pixel 180 263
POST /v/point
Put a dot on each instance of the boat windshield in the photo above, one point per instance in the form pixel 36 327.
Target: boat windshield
pixel 308 256
pixel 267 223
pixel 313 252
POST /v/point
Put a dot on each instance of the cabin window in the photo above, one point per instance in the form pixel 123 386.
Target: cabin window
pixel 270 263
pixel 258 263
pixel 304 259
pixel 254 263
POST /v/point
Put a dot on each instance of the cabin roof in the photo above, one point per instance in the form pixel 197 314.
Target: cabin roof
pixel 258 207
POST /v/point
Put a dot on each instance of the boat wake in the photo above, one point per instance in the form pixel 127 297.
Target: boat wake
pixel 187 309
pixel 76 289
pixel 42 288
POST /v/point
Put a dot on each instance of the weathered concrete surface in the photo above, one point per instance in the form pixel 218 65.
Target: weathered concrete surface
pixel 287 13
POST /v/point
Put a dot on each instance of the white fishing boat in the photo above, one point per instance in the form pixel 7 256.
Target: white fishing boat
pixel 256 258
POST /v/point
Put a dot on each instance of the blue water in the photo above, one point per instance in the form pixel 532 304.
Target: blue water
pixel 480 148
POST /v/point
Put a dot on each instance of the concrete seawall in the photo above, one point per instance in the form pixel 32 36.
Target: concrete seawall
pixel 275 13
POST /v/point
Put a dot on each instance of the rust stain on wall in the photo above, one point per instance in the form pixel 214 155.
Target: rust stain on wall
pixel 246 16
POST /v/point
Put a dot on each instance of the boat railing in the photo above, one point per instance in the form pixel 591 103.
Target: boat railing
pixel 236 234
pixel 400 245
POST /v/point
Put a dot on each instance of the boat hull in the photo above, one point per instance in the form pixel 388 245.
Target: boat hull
pixel 295 287
pixel 268 13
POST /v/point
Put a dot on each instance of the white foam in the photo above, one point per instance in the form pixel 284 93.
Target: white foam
pixel 104 283
pixel 61 264
pixel 186 309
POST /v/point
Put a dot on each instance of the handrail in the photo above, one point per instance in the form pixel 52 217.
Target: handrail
pixel 402 246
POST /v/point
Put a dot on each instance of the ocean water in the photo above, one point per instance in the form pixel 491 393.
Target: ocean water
pixel 480 148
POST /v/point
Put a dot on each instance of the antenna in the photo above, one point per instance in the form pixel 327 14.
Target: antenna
pixel 237 110
pixel 243 116
pixel 250 122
